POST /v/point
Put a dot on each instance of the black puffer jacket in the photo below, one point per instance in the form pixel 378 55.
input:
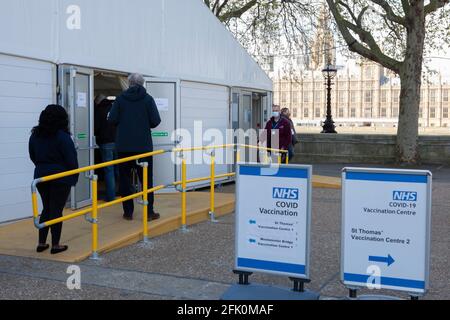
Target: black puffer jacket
pixel 135 114
pixel 105 131
pixel 52 155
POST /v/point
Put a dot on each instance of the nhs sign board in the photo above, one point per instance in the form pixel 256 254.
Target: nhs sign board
pixel 267 198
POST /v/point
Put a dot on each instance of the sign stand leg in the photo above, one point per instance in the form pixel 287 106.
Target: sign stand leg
pixel 243 277
pixel 299 284
pixel 353 293
pixel 244 290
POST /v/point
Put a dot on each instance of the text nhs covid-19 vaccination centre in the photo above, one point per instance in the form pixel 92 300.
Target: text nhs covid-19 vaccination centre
pixel 69 51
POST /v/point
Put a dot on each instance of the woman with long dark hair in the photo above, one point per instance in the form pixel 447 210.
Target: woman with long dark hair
pixel 52 151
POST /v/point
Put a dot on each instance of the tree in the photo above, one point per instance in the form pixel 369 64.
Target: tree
pixel 395 34
pixel 268 27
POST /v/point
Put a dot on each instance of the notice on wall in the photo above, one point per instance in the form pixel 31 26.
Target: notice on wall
pixel 385 236
pixel 81 99
pixel 272 219
pixel 160 134
pixel 162 104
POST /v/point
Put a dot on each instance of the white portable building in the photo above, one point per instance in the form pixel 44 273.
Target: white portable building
pixel 68 51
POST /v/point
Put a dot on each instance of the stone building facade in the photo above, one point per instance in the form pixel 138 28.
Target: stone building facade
pixel 366 95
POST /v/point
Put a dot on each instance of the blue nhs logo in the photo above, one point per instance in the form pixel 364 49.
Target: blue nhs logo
pixel 405 196
pixel 286 193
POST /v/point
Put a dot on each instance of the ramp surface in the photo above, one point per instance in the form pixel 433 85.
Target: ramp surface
pixel 326 182
pixel 20 238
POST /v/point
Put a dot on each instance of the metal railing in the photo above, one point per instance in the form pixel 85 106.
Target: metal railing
pixel 96 207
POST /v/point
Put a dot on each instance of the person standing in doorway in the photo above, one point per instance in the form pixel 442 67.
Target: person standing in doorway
pixel 286 113
pixel 52 151
pixel 135 114
pixel 280 127
pixel 105 133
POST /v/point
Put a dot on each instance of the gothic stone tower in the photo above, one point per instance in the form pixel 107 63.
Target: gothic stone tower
pixel 323 49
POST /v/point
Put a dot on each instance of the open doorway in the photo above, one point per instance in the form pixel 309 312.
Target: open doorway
pixel 107 87
pixel 257 112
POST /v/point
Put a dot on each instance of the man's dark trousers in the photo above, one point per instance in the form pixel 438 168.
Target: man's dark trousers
pixel 126 182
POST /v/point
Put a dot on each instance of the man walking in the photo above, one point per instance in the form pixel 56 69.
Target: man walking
pixel 135 114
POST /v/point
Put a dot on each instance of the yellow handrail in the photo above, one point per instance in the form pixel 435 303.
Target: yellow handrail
pixel 263 148
pixel 223 146
pixel 96 207
pixel 99 166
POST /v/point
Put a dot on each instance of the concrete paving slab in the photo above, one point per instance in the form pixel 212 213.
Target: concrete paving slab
pixel 15 287
pixel 137 283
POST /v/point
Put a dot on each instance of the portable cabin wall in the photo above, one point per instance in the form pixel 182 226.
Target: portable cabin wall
pixel 26 87
pixel 161 38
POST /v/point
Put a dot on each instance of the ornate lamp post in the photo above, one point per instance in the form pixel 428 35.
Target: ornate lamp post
pixel 329 73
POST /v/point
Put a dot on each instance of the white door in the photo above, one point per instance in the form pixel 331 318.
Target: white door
pixel 77 96
pixel 165 94
pixel 26 88
pixel 209 106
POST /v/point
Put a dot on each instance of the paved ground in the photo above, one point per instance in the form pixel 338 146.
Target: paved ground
pixel 198 264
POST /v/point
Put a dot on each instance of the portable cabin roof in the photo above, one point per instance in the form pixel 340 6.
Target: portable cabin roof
pixel 162 38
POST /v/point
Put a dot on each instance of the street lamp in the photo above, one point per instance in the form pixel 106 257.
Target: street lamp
pixel 329 73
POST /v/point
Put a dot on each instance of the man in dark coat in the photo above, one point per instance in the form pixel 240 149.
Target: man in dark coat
pixel 105 133
pixel 135 114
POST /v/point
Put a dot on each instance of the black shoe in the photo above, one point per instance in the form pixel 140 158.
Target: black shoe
pixel 42 248
pixel 59 249
pixel 153 216
pixel 127 217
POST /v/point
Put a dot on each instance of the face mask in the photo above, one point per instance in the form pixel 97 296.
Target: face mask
pixel 276 114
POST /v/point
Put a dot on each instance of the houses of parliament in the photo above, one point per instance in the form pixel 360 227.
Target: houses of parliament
pixel 364 93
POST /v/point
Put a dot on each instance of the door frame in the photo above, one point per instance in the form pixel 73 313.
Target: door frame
pixel 177 120
pixel 73 70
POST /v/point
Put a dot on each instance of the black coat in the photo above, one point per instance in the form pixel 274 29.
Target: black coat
pixel 105 132
pixel 52 155
pixel 135 114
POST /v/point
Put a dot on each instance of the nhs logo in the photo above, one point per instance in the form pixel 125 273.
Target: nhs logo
pixel 405 196
pixel 286 193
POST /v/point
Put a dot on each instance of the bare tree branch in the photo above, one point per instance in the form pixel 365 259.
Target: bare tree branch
pixel 435 5
pixel 238 12
pixel 373 51
pixel 406 7
pixel 221 7
pixel 349 10
pixel 390 12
